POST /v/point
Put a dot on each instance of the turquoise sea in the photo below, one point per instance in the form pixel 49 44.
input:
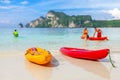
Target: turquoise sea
pixel 54 39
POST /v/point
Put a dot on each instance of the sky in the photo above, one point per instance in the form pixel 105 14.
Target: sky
pixel 13 12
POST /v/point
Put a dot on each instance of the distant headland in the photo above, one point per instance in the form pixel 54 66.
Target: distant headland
pixel 55 19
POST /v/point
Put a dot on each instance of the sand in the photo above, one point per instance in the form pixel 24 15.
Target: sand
pixel 16 67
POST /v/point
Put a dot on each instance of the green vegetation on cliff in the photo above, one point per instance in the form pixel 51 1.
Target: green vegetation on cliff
pixel 106 23
pixel 60 19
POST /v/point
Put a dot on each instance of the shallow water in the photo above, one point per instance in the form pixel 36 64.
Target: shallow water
pixel 54 39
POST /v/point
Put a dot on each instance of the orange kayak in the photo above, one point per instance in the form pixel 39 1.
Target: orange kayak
pixel 38 55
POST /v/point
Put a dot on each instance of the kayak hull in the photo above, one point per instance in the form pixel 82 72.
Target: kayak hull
pixel 84 53
pixel 98 38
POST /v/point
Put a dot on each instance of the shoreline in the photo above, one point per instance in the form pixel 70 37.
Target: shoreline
pixel 16 67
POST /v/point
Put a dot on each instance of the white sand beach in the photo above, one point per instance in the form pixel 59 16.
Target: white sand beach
pixel 16 67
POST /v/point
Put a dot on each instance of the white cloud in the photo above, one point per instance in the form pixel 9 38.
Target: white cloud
pixel 5 1
pixel 5 7
pixel 4 21
pixel 9 7
pixel 24 2
pixel 115 13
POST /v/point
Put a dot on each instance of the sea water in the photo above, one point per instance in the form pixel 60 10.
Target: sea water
pixel 54 39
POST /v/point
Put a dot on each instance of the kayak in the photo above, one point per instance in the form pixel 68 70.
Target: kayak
pixel 84 53
pixel 38 55
pixel 98 38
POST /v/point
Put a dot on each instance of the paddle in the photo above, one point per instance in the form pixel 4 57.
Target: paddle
pixel 111 60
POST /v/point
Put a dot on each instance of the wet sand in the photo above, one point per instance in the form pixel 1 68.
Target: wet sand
pixel 16 67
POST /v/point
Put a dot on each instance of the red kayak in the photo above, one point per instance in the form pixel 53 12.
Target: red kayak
pixel 84 53
pixel 98 38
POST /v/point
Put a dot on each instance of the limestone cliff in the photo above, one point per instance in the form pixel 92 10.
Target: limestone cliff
pixel 60 19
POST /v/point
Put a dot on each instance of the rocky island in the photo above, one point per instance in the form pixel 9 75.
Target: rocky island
pixel 55 19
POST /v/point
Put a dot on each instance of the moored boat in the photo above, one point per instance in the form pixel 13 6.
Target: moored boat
pixel 84 53
pixel 38 55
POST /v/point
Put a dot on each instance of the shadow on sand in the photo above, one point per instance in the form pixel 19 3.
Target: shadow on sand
pixel 41 72
pixel 94 67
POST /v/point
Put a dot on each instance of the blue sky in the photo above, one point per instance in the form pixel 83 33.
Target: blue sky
pixel 13 12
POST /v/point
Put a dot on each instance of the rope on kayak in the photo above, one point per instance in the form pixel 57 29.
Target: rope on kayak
pixel 111 60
